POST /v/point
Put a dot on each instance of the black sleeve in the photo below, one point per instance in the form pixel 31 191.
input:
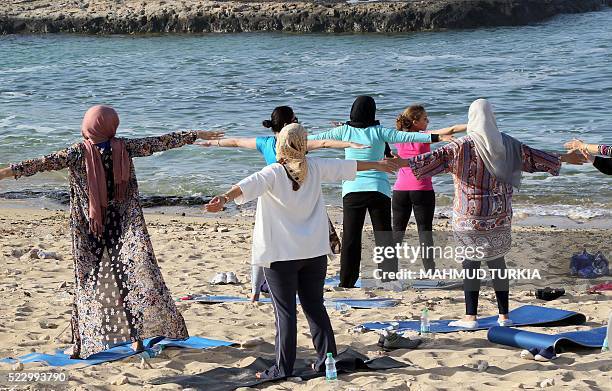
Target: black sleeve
pixel 388 150
pixel 435 138
pixel 603 164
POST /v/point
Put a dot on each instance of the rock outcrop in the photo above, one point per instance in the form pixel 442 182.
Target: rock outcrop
pixel 194 16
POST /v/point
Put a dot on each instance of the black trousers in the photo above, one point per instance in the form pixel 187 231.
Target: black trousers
pixel 354 207
pixel 423 203
pixel 471 286
pixel 306 277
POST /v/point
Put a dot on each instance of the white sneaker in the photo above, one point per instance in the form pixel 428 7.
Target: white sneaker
pixel 219 279
pixel 465 324
pixel 231 278
pixel 505 322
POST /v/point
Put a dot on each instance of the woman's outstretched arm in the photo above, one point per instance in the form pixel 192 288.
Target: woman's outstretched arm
pixel 592 149
pixel 450 130
pixel 433 163
pixel 52 162
pixel 535 160
pixel 247 143
pixel 147 146
pixel 318 144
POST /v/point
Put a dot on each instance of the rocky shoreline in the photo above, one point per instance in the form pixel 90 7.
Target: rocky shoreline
pixel 196 16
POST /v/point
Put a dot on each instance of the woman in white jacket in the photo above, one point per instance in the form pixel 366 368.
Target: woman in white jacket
pixel 290 238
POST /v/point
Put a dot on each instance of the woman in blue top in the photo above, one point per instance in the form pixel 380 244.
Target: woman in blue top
pixel 370 191
pixel 266 145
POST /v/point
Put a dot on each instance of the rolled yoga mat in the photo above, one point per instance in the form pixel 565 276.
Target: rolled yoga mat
pixel 562 342
pixel 527 315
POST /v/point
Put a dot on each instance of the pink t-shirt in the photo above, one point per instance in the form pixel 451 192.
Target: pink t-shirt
pixel 405 178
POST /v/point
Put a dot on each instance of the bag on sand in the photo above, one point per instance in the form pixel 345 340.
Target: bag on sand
pixel 587 265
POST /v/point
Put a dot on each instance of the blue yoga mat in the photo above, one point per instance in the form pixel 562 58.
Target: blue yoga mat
pixel 59 359
pixel 353 303
pixel 335 281
pixel 562 342
pixel 523 316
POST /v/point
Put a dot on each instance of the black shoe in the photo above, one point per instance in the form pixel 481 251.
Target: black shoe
pixel 396 341
pixel 549 294
pixel 381 341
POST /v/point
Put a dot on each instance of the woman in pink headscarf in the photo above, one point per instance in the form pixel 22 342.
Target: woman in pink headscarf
pixel 120 294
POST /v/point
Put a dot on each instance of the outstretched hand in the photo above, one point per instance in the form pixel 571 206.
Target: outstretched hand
pixel 210 135
pixel 215 205
pixel 447 137
pixel 6 173
pixel 575 157
pixel 394 163
pixel 574 144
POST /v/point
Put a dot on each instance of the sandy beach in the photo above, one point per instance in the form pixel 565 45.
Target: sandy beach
pixel 36 297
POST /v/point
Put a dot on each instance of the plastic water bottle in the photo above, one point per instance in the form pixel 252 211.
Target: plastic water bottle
pixel 342 307
pixel 606 344
pixel 330 368
pixel 152 352
pixel 425 327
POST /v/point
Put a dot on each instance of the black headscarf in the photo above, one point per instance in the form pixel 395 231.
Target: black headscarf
pixel 363 112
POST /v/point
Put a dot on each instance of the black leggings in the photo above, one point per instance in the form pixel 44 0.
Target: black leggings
pixel 306 278
pixel 423 202
pixel 471 286
pixel 354 207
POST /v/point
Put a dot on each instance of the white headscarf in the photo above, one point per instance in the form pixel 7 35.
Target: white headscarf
pixel 500 153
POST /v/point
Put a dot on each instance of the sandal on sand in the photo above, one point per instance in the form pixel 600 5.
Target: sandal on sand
pixel 219 279
pixel 231 278
pixel 529 354
pixel 464 324
pixel 269 374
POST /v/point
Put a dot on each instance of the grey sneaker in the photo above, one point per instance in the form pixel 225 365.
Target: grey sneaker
pixel 396 341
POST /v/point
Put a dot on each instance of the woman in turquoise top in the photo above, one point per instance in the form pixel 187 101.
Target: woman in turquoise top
pixel 371 190
pixel 266 145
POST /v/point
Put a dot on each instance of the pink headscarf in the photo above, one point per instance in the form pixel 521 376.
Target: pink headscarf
pixel 100 124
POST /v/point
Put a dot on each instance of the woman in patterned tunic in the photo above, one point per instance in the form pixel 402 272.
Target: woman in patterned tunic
pixel 120 294
pixel 486 165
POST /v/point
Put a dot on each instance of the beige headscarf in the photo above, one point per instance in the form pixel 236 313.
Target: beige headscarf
pixel 500 153
pixel 291 148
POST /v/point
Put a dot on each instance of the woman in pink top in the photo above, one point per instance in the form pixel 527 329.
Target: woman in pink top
pixel 410 193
